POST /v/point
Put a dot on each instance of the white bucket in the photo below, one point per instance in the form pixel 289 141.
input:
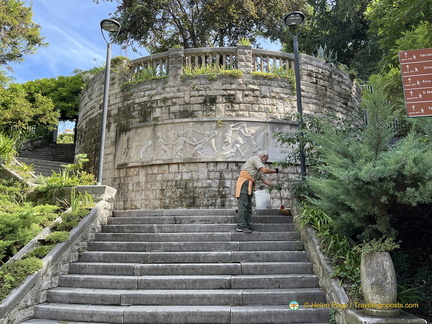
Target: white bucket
pixel 262 199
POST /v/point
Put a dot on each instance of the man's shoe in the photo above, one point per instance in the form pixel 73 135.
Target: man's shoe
pixel 244 230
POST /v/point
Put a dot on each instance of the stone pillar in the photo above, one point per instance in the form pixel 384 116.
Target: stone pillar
pixel 244 59
pixel 175 64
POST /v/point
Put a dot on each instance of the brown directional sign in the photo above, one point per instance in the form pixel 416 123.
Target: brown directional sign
pixel 416 68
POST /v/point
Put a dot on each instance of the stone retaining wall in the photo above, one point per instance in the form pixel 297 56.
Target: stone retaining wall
pixel 180 142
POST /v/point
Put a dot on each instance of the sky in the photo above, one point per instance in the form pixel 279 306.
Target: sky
pixel 72 29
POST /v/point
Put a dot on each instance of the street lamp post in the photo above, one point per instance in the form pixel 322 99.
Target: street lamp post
pixel 293 19
pixel 112 26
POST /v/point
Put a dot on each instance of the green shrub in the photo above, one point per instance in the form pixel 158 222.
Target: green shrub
pixel 65 226
pixel 339 248
pixel 212 72
pixel 52 189
pixel 146 74
pixel 7 149
pixel 377 245
pixel 66 138
pixel 40 251
pixel 14 273
pixel 57 237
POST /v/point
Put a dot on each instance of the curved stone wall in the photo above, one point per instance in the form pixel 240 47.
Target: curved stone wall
pixel 180 142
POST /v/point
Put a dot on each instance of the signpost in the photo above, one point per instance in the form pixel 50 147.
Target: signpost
pixel 416 67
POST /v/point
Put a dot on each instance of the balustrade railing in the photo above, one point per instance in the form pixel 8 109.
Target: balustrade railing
pixel 268 61
pixel 155 64
pixel 222 57
pixel 225 58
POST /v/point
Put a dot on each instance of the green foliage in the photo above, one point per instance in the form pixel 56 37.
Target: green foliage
pixel 52 189
pixel 11 192
pixel 160 25
pixel 18 113
pixel 377 245
pixel 343 27
pixel 40 252
pixel 20 223
pixel 244 41
pixel 326 54
pixel 14 273
pixel 360 178
pixel 65 138
pixel 57 237
pixel 7 149
pixel 63 91
pixel 146 74
pixel 212 72
pixel 392 20
pixel 339 248
pixel 20 36
pixel 414 271
pixel 80 200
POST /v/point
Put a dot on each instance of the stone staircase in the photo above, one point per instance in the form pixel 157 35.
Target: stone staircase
pixel 48 158
pixel 188 266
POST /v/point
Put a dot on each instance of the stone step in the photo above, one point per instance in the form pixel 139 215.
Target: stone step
pixel 190 228
pixel 198 237
pixel 195 246
pixel 138 269
pixel 193 212
pixel 43 167
pixel 188 266
pixel 283 281
pixel 140 314
pixel 203 219
pixel 193 257
pixel 51 152
pixel 175 297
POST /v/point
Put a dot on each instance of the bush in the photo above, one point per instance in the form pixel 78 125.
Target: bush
pixel 52 189
pixel 57 237
pixel 14 273
pixel 7 149
pixel 362 176
pixel 65 138
pixel 212 72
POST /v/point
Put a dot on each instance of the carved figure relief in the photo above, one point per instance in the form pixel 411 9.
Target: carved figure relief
pixel 200 141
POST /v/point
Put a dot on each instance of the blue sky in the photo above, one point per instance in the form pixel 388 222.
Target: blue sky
pixel 72 29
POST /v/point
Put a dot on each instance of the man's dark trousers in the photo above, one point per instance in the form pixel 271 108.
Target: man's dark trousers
pixel 244 217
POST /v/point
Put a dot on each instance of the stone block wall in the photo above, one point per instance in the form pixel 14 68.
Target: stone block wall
pixel 180 142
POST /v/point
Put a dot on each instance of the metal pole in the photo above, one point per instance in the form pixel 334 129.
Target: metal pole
pixel 299 106
pixel 104 113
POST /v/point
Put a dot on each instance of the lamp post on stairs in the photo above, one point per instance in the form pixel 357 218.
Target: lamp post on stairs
pixel 109 25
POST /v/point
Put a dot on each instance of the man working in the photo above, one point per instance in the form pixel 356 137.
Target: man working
pixel 252 171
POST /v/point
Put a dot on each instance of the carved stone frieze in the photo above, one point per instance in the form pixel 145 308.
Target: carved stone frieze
pixel 198 141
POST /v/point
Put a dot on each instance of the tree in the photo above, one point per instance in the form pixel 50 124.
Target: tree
pixel 364 181
pixel 64 92
pixel 342 28
pixel 161 24
pixel 394 20
pixel 19 34
pixel 18 114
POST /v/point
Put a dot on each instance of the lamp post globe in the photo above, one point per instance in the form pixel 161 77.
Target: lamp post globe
pixel 110 26
pixel 295 18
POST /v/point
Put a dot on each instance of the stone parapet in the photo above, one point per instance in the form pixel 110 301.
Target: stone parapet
pixel 199 122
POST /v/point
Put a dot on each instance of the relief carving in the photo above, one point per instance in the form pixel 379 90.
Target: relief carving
pixel 196 141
